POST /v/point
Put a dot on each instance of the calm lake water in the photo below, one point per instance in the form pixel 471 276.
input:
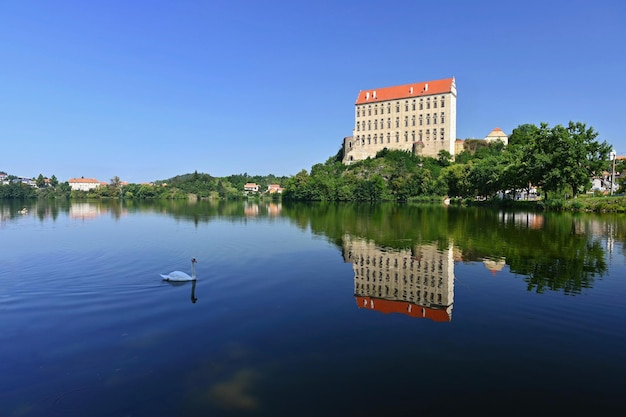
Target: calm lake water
pixel 309 310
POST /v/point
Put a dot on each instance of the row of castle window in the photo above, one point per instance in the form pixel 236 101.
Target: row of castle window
pixel 366 260
pixel 410 281
pixel 360 125
pixel 377 290
pixel 360 111
pixel 381 140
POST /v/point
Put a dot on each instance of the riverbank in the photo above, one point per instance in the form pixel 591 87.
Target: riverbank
pixel 588 204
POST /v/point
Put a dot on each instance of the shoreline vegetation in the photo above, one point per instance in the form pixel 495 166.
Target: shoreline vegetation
pixel 541 169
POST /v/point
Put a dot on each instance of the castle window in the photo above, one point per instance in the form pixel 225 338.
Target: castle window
pixel 443 102
pixel 427 134
pixel 369 140
pixel 421 120
pixel 434 118
pixel 413 120
pixel 358 126
pixel 388 108
pixel 388 137
pixel 382 122
pixel 428 119
pixel 434 134
pixel 358 112
pixel 441 133
pixel 397 107
pixel 421 104
pixel 375 124
pixel 413 136
pixel 397 122
pixel 369 110
pixel 375 139
pixel 375 109
pixel 369 125
pixel 397 137
pixel 406 136
pixel 389 123
pixel 420 135
pixel 406 121
pixel 406 106
pixel 443 117
pixel 428 103
pixel 434 104
pixel 413 105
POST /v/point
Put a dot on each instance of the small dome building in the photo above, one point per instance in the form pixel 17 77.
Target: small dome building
pixel 497 134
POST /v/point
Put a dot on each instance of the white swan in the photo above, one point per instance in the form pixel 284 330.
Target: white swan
pixel 181 276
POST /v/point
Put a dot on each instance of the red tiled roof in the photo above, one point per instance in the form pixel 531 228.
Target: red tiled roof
pixel 402 307
pixel 83 180
pixel 426 88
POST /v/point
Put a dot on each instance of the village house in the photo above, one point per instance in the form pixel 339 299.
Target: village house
pixel 83 184
pixel 251 187
pixel 274 188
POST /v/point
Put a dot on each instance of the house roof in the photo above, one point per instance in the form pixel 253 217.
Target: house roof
pixel 497 132
pixel 421 89
pixel 83 180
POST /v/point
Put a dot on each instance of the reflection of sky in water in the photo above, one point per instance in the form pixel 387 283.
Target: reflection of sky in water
pixel 88 328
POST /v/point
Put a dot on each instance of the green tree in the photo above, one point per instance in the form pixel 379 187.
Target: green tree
pixel 523 134
pixel 485 176
pixel 444 158
pixel 455 178
pixel 40 181
pixel 571 156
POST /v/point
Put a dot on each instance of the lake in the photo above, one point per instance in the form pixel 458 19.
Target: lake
pixel 309 310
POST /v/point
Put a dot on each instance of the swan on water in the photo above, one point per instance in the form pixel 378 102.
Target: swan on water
pixel 182 276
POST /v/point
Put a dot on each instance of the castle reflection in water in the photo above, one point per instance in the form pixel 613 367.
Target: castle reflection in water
pixel 417 282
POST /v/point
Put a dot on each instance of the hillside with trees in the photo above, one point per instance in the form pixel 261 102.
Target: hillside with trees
pixel 560 160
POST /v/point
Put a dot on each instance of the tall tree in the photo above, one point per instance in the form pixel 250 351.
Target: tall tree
pixel 566 156
pixel 40 181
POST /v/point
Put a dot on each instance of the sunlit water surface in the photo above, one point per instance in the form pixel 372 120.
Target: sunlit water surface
pixel 306 312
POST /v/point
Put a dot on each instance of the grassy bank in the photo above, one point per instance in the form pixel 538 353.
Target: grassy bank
pixel 589 204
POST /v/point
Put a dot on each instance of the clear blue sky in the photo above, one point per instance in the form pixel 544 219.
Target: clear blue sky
pixel 147 90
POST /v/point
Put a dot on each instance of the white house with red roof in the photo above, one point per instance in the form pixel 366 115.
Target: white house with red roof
pixel 84 184
pixel 497 134
pixel 274 188
pixel 251 187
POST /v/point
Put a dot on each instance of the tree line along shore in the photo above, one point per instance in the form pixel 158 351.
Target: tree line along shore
pixel 552 165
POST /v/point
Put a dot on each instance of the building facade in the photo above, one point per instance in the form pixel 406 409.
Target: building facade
pixel 83 184
pixel 420 118
pixel 418 282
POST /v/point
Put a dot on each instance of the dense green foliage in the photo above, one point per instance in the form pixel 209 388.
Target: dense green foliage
pixel 392 175
pixel 193 185
pixel 559 160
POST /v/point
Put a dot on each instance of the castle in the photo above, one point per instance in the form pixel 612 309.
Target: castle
pixel 419 117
